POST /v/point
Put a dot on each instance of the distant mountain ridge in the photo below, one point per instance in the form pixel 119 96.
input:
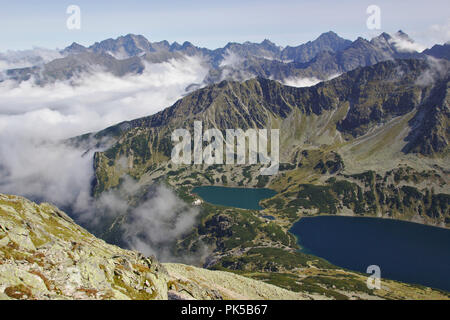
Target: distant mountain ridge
pixel 134 45
pixel 439 51
pixel 326 56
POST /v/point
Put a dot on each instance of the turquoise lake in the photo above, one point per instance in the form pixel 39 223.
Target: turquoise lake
pixel 244 198
pixel 404 251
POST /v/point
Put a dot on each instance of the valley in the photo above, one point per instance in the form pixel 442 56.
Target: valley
pixel 345 149
pixel 367 139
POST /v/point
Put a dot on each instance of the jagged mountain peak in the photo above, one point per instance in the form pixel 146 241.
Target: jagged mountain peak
pixel 383 37
pixel 328 41
pixel 362 44
pixel 439 51
pixel 175 46
pixel 76 45
pixel 329 35
pixel 123 46
pixel 268 43
pixel 402 35
pixel 360 40
pixel 186 44
pixel 74 48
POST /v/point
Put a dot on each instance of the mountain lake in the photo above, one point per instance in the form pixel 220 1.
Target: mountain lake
pixel 243 198
pixel 404 251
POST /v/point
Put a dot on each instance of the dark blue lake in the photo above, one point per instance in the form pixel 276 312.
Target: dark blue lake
pixel 404 251
pixel 244 198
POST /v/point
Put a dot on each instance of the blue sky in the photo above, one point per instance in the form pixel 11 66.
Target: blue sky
pixel 211 24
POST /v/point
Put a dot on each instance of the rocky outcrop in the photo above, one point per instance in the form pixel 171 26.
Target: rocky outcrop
pixel 45 255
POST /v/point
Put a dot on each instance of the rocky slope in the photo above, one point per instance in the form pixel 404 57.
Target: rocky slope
pixel 45 255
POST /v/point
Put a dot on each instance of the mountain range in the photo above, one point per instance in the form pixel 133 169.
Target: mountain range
pixel 320 59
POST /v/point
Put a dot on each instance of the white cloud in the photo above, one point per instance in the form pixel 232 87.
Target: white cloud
pixel 300 82
pixel 231 59
pixel 405 44
pixel 153 226
pixel 61 110
pixel 437 70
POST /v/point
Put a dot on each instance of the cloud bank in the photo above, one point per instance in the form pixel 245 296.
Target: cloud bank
pixel 34 163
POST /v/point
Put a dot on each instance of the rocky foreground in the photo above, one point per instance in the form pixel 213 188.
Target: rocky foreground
pixel 44 254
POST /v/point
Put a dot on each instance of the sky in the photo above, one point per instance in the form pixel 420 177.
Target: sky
pixel 211 24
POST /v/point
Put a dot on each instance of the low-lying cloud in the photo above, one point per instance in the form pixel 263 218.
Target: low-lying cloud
pixel 35 119
pixel 27 58
pixel 231 59
pixel 437 70
pixel 300 82
pixel 152 226
pixel 96 100
pixel 406 45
